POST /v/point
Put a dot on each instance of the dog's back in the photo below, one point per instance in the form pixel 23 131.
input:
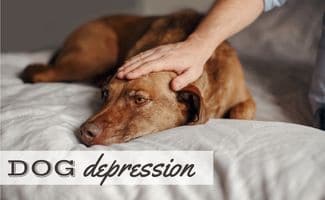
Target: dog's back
pixel 166 30
pixel 100 46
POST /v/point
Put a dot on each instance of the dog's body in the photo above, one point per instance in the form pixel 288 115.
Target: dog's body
pixel 147 104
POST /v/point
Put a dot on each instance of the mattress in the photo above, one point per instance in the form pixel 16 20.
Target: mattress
pixel 278 156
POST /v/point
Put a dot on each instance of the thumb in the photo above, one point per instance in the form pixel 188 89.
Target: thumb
pixel 183 80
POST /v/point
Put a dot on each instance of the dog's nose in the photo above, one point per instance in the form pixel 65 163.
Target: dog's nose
pixel 90 131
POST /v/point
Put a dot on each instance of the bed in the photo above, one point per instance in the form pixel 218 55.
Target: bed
pixel 278 156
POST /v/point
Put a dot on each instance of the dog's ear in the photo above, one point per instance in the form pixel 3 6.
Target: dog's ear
pixel 103 81
pixel 192 98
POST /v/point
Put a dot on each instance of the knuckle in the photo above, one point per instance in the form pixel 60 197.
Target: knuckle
pixel 141 55
pixel 160 49
pixel 146 68
pixel 157 50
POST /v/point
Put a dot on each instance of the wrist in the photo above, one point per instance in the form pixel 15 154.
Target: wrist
pixel 203 44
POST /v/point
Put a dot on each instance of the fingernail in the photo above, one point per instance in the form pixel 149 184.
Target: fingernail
pixel 121 68
pixel 130 75
pixel 176 87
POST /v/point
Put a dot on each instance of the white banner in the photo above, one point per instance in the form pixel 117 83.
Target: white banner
pixel 106 168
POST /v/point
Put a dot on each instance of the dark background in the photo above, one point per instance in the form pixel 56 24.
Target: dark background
pixel 29 25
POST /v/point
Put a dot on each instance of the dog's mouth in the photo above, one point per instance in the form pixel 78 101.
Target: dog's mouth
pixel 89 140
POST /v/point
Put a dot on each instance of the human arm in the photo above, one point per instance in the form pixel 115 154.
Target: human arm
pixel 187 59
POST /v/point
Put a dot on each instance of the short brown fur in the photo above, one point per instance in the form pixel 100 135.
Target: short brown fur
pixel 98 48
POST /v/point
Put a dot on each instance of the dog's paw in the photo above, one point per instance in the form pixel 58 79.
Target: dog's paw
pixel 33 73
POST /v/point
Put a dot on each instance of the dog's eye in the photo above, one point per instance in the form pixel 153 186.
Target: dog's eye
pixel 105 94
pixel 140 100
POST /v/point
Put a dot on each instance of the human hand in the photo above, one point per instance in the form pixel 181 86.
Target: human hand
pixel 184 58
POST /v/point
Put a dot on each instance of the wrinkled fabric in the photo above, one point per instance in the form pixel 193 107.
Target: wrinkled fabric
pixel 252 159
pixel 270 4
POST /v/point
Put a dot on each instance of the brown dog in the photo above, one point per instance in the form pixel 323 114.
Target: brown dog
pixel 145 105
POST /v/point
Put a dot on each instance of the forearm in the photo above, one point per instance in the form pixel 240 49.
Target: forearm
pixel 224 19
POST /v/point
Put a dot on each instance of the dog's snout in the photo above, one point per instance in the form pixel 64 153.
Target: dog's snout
pixel 89 131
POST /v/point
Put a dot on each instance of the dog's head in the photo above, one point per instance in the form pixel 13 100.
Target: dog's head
pixel 138 107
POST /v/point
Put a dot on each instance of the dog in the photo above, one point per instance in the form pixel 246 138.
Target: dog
pixel 134 108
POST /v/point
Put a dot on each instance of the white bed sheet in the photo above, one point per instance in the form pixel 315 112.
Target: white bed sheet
pixel 252 159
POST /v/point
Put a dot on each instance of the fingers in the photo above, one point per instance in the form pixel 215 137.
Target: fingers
pixel 141 57
pixel 184 79
pixel 122 73
pixel 146 68
pixel 145 56
pixel 138 63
